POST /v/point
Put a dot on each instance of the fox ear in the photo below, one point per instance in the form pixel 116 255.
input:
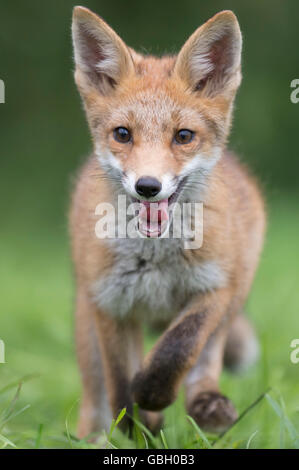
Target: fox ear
pixel 210 60
pixel 102 58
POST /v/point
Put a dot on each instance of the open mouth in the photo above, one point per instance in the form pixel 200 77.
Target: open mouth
pixel 154 217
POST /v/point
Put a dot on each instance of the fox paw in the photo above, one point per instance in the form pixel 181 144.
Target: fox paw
pixel 150 394
pixel 212 412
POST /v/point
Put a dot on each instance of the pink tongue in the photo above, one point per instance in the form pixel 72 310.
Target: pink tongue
pixel 154 212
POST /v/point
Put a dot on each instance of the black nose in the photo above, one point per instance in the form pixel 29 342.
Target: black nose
pixel 148 186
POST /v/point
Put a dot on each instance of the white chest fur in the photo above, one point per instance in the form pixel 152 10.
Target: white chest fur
pixel 151 277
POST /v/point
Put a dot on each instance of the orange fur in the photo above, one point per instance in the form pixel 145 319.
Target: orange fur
pixel 153 98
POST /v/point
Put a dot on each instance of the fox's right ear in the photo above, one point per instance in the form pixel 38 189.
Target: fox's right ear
pixel 102 58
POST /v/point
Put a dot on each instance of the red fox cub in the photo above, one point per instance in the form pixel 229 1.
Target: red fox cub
pixel 159 128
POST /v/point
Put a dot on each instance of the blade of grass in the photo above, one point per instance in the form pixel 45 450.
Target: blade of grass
pixel 146 432
pixel 145 440
pixel 69 437
pixel 38 436
pixel 251 438
pixel 115 422
pixel 13 415
pixel 8 411
pixel 6 442
pixel 282 427
pixel 199 432
pixel 137 433
pixel 242 415
pixel 163 439
pixel 25 378
pixel 288 424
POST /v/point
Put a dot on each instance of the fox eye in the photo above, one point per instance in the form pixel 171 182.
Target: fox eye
pixel 122 135
pixel 183 136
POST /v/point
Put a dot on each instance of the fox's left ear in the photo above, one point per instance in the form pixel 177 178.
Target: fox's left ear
pixel 210 60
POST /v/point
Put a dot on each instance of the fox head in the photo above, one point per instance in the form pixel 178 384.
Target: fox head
pixel 158 124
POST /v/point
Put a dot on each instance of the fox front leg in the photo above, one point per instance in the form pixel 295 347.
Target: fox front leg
pixel 121 346
pixel 156 385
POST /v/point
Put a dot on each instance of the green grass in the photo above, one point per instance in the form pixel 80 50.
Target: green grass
pixel 39 383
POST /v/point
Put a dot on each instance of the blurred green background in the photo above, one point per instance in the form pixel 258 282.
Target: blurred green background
pixel 44 138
